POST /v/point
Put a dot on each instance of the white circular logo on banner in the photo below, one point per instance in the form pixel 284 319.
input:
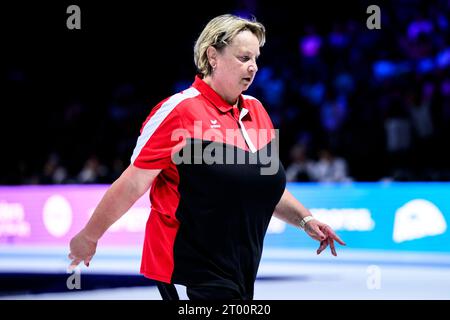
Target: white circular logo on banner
pixel 57 215
pixel 418 218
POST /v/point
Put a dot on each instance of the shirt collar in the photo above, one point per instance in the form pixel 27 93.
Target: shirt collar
pixel 214 97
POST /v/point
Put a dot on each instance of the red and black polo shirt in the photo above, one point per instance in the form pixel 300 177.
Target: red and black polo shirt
pixel 212 202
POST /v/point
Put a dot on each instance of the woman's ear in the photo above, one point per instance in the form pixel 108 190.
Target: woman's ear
pixel 211 52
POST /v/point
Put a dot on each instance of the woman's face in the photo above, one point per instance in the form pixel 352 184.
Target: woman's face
pixel 236 64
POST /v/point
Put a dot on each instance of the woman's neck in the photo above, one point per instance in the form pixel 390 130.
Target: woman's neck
pixel 217 88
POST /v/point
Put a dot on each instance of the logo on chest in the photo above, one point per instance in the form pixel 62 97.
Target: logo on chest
pixel 214 124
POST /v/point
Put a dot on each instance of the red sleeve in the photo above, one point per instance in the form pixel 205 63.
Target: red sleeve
pixel 161 136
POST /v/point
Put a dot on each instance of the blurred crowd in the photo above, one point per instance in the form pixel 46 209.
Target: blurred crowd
pixel 366 105
pixel 352 104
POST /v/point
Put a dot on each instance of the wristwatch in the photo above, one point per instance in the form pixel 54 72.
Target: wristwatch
pixel 305 220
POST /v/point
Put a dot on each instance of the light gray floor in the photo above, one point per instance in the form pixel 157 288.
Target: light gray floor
pixel 320 282
pixel 300 275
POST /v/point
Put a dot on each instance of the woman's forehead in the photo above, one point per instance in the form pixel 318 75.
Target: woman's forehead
pixel 245 41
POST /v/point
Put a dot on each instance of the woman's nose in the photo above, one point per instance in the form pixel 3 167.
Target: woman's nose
pixel 253 68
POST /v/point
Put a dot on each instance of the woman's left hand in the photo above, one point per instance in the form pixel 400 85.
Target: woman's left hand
pixel 323 233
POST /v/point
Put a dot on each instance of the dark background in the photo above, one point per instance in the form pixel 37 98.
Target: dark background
pixel 77 98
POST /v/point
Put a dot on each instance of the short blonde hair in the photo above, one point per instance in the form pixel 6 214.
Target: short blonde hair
pixel 219 32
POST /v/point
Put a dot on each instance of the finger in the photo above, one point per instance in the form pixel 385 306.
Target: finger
pixel 339 240
pixel 314 232
pixel 87 261
pixel 334 236
pixel 74 264
pixel 319 235
pixel 332 247
pixel 323 245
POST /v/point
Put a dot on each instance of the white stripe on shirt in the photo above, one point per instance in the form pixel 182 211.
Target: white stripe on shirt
pixel 154 122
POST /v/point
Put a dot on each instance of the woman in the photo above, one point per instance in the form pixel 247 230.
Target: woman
pixel 204 154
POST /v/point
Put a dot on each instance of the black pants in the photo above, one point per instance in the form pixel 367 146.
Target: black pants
pixel 169 292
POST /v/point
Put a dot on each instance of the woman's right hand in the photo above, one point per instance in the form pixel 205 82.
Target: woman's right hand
pixel 82 248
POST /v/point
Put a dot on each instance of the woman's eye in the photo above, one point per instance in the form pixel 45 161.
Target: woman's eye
pixel 244 58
